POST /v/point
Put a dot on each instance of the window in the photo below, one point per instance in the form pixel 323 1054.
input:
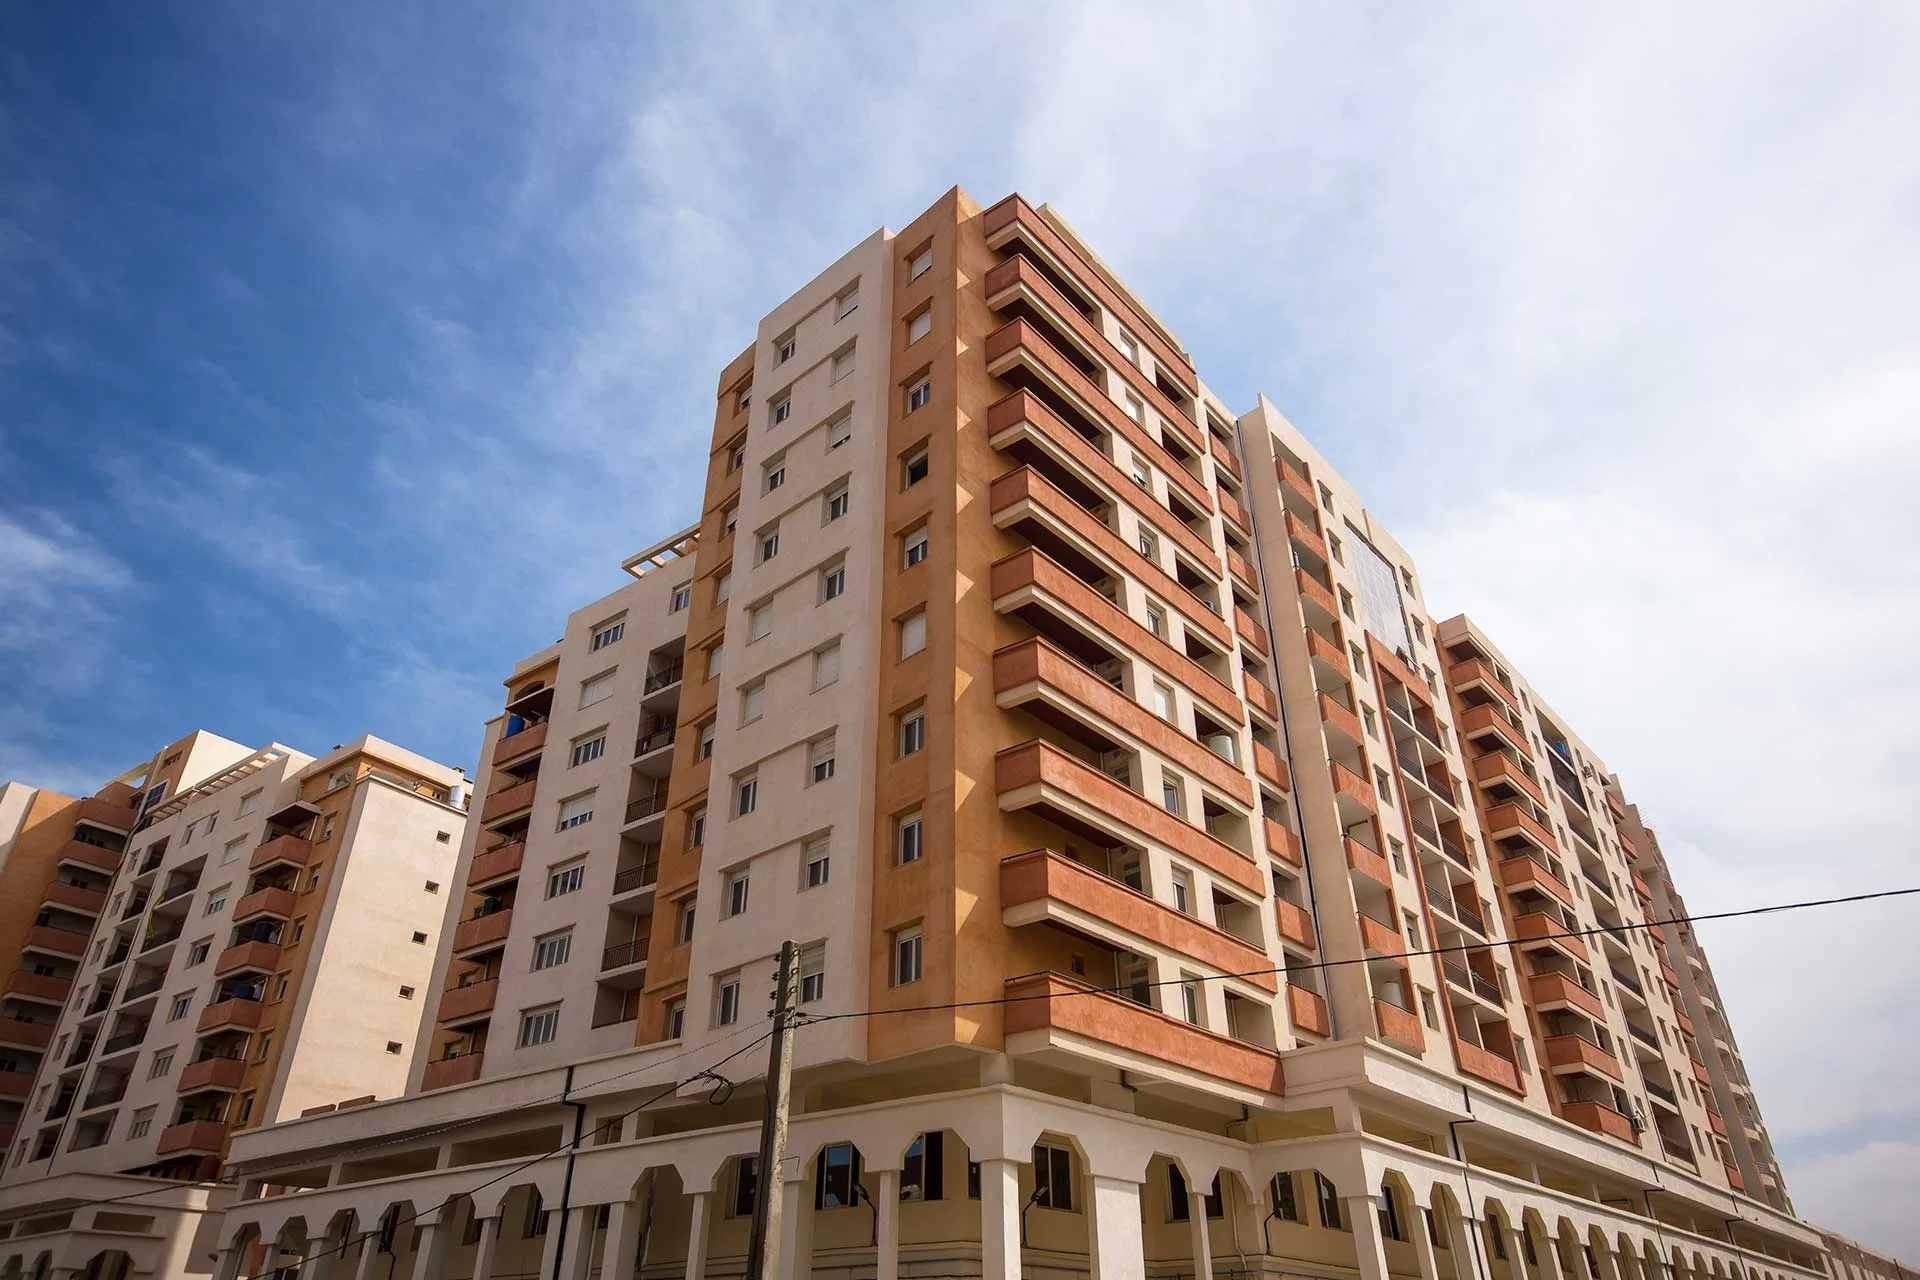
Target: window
pixel 685 927
pixel 1427 1014
pixel 1190 1001
pixel 919 394
pixel 1157 620
pixel 1171 793
pixel 393 1047
pixel 776 470
pixel 704 749
pixel 182 1005
pixel 249 802
pixel 836 1176
pixel 1142 473
pixel 608 634
pixel 1359 658
pixel 1053 1178
pixel 1326 497
pixel 913 634
pixel 913 468
pixel 846 303
pixel 1179 1207
pixel 769 544
pixel 1370 720
pixel 161 1065
pixel 1128 347
pixel 730 521
pixel 1163 701
pixel 552 950
pixel 908 844
pixel 588 749
pixel 419 938
pixel 597 689
pixel 913 732
pixel 197 953
pixel 1382 783
pixel 919 325
pixel 697 828
pixel 820 760
pixel 826 666
pixel 406 993
pixel 1285 1206
pixel 234 848
pixel 914 548
pixel 920 264
pixel 1333 548
pixel 1413 930
pixel 1182 881
pixel 726 1001
pixel 906 955
pixel 716 660
pixel 682 597
pixel 1329 1197
pixel 746 1185
pixel 142 1122
pixel 539 1026
pixel 840 431
pixel 743 401
pixel 1390 1225
pixel 833 582
pixel 759 622
pixel 737 885
pixel 1136 408
pixel 815 855
pixel 843 364
pixel 837 502
pixel 1346 602
pixel 784 349
pixel 813 974
pixel 676 1019
pixel 576 812
pixel 746 795
pixel 753 702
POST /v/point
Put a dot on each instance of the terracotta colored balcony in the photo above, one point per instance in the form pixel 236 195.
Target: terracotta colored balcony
pixel 1259 697
pixel 1518 873
pixel 1734 1179
pixel 1250 631
pixel 1641 887
pixel 38 987
pixel 1348 785
pixel 1329 654
pixel 1292 478
pixel 1597 1117
pixel 1039 776
pixel 496 864
pixel 289 851
pixel 446 1072
pixel 1397 1026
pixel 1282 843
pixel 457 1004
pixel 194 1137
pixel 1229 505
pixel 82 854
pixel 75 898
pixel 1495 767
pixel 1036 675
pixel 1486 1065
pixel 1615 806
pixel 105 813
pixel 513 802
pixel 17 1033
pixel 1483 721
pixel 212 1073
pixel 1242 570
pixel 1306 535
pixel 1271 767
pixel 1475 674
pixel 518 746
pixel 1055 601
pixel 1296 923
pixel 1312 593
pixel 261 956
pixel 59 942
pixel 1681 1020
pixel 1716 1123
pixel 1575 1053
pixel 1701 1073
pixel 16 1084
pixel 480 932
pixel 1558 991
pixel 241 1015
pixel 1043 885
pixel 1050 1009
pixel 1379 938
pixel 1668 976
pixel 1308 1011
pixel 1504 820
pixel 1544 930
pixel 1372 865
pixel 269 903
pixel 1341 720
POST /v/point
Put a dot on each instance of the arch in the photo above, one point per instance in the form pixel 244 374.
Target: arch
pixel 108 1264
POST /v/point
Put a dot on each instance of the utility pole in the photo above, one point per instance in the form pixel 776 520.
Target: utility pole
pixel 763 1242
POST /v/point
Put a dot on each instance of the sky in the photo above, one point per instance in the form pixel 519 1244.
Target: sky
pixel 344 349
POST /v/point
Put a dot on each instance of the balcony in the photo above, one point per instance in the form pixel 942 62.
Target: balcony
pixel 1291 477
pixel 1259 697
pixel 269 903
pixel 1615 805
pixel 659 740
pixel 55 941
pixel 16 1084
pixel 1053 1011
pixel 1734 1179
pixel 1055 688
pixel 1250 632
pixel 1039 776
pixel 17 1033
pixel 1242 571
pixel 1598 1117
pixel 1506 821
pixel 661 679
pixel 1352 792
pixel 496 864
pixel 193 1137
pixel 1641 888
pixel 1307 1011
pixel 1282 843
pixel 1518 873
pixel 212 1073
pixel 635 878
pixel 261 957
pixel 1341 720
pixel 1497 767
pixel 234 1013
pixel 483 932
pixel 519 746
pixel 1315 596
pixel 1716 1123
pixel 1365 862
pixel 1086 624
pixel 1566 1054
pixel 106 814
pixel 647 807
pixel 1487 722
pixel 1487 1065
pixel 624 955
pixel 1560 991
pixel 1380 938
pixel 79 853
pixel 1398 1026
pixel 75 898
pixel 1473 674
pixel 23 985
pixel 1536 927
pixel 1230 506
pixel 1306 536
pixel 1331 657
pixel 1295 923
pixel 281 851
pixel 1464 977
pixel 1271 767
pixel 506 805
pixel 443 1073
pixel 1043 885
pixel 466 1003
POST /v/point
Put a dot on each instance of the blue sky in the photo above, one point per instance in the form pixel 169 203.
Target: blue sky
pixel 343 349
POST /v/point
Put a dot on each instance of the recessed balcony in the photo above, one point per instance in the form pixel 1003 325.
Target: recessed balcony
pixel 259 957
pixel 281 851
pixel 1353 793
pixel 1474 675
pixel 1307 1011
pixel 1518 873
pixel 443 1073
pixel 468 1003
pixel 212 1073
pixel 1399 1026
pixel 496 864
pixel 529 741
pixel 78 853
pixel 1559 991
pixel 1510 821
pixel 507 805
pixel 1567 1055
pixel 269 904
pixel 1494 769
pixel 482 933
pixel 1597 1117
pixel 193 1137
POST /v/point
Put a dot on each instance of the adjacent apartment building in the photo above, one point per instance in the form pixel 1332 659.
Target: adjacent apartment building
pixel 232 936
pixel 1174 893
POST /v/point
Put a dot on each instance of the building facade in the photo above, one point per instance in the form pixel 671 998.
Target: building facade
pixel 1173 894
pixel 261 945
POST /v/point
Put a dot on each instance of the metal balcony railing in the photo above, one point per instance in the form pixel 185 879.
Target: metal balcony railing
pixel 622 954
pixel 658 680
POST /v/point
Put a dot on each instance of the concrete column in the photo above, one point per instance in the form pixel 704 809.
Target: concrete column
pixel 1517 1252
pixel 550 1245
pixel 579 1242
pixel 1604 1262
pixel 269 1259
pixel 697 1235
pixel 886 1214
pixel 431 1252
pixel 1464 1244
pixel 1199 1228
pixel 370 1255
pixel 1422 1243
pixel 1370 1250
pixel 1000 1219
pixel 1549 1255
pixel 618 1251
pixel 227 1265
pixel 488 1249
pixel 796 1225
pixel 1115 1250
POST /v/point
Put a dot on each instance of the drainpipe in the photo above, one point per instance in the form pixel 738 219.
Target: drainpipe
pixel 566 1181
pixel 1460 1153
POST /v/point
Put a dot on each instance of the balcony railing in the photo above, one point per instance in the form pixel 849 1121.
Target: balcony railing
pixel 1627 980
pixel 1467 980
pixel 622 954
pixel 1643 1035
pixel 646 806
pixel 1678 1148
pixel 1661 1092
pixel 637 877
pixel 652 742
pixel 121 1043
pixel 658 680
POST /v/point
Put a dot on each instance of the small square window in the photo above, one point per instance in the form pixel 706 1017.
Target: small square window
pixel 406 993
pixel 393 1046
pixel 419 938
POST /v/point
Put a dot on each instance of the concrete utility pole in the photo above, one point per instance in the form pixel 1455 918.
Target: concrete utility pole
pixel 763 1242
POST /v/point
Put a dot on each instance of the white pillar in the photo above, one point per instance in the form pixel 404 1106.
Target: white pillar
pixel 369 1252
pixel 579 1242
pixel 430 1252
pixel 1370 1250
pixel 1000 1219
pixel 488 1250
pixel 697 1236
pixel 1115 1250
pixel 226 1266
pixel 269 1258
pixel 1418 1231
pixel 623 1239
pixel 1517 1251
pixel 1604 1262
pixel 1198 1228
pixel 1549 1255
pixel 886 1226
pixel 796 1228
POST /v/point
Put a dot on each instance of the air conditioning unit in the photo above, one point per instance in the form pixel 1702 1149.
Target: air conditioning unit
pixel 1638 1119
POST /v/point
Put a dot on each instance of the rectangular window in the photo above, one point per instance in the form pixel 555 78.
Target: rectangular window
pixel 746 1185
pixel 1053 1178
pixel 723 588
pixel 1163 701
pixel 913 634
pixel 697 828
pixel 907 841
pixel 162 1063
pixel 539 1026
pixel 843 364
pixel 142 1122
pixel 759 622
pixel 726 1002
pixel 1182 881
pixel 782 410
pixel 234 848
pixel 567 879
pixel 1329 1197
pixel 677 1019
pixel 836 1176
pixel 716 661
pixel 1390 1225
pixel 906 955
pixel 704 751
pixel 837 502
pixel 919 325
pixel 216 901
pixel 737 885
pixel 1171 793
pixel 815 855
pixel 587 750
pixel 182 1005
pixel 597 689
pixel 913 732
pixel 576 812
pixel 846 303
pixel 921 263
pixel 820 760
pixel 1142 473
pixel 913 467
pixel 1128 347
pixel 1157 620
pixel 1286 1206
pixel 1136 408
pixel 924 1169
pixel 753 702
pixel 685 928
pixel 769 545
pixel 249 802
pixel 833 582
pixel 608 634
pixel 682 597
pixel 826 666
pixel 746 793
pixel 914 548
pixel 840 431
pixel 552 950
pixel 1190 1002
pixel 198 952
pixel 776 470
pixel 813 974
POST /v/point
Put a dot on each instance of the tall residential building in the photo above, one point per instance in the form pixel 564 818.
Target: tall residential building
pixel 260 944
pixel 1097 748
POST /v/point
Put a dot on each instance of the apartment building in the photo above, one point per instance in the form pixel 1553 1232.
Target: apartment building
pixel 1096 747
pixel 261 944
